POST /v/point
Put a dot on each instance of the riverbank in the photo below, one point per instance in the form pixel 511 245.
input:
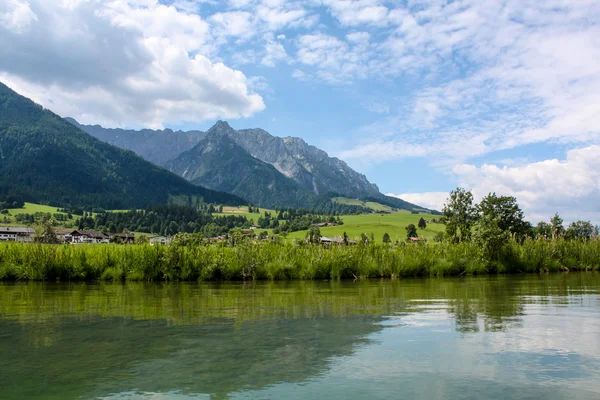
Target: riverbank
pixel 269 261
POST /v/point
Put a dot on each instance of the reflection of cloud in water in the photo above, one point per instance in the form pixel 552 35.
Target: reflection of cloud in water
pixel 517 337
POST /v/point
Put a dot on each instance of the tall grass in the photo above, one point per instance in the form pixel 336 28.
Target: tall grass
pixel 269 261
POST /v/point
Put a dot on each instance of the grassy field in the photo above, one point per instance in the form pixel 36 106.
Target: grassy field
pixel 378 224
pixel 243 210
pixel 367 204
pixel 31 208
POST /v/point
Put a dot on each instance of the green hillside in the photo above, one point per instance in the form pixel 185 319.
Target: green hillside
pixel 47 160
pixel 378 224
pixel 367 204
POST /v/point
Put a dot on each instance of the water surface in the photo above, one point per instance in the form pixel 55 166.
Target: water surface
pixel 519 337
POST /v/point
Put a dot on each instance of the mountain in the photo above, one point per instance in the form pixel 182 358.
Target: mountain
pixel 218 163
pixel 157 146
pixel 309 166
pixel 46 159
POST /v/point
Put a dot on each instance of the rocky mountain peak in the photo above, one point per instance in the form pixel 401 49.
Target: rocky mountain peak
pixel 221 127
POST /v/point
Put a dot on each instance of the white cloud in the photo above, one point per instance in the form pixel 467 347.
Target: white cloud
pixel 336 61
pixel 358 12
pixel 430 200
pixel 570 187
pixel 490 75
pixel 274 52
pixel 16 15
pixel 234 23
pixel 116 63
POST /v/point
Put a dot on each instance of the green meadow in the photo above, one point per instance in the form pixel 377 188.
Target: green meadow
pixel 243 210
pixel 32 208
pixel 378 224
pixel 368 204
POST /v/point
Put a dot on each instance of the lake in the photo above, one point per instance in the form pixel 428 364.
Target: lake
pixel 518 337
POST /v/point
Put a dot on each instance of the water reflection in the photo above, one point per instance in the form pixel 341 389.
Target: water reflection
pixel 533 336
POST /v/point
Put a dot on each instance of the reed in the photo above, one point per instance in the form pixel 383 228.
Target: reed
pixel 270 261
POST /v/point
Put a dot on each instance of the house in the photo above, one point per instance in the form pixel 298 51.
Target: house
pixel 83 236
pixel 16 234
pixel 158 240
pixel 319 225
pixel 328 241
pixel 416 240
pixel 124 238
pixel 64 235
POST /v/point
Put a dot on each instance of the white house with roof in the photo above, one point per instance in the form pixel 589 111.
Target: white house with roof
pixel 83 236
pixel 16 234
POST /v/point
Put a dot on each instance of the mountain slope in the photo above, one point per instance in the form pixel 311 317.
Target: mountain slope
pixel 45 159
pixel 309 166
pixel 217 162
pixel 157 146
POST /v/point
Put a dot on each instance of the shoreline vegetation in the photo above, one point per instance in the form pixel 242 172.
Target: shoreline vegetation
pixel 491 237
pixel 184 261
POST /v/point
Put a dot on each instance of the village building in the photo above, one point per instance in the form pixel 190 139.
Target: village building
pixel 16 234
pixel 160 240
pixel 64 235
pixel 328 241
pixel 124 238
pixel 84 236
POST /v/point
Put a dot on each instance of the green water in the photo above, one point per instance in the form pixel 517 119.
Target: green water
pixel 517 337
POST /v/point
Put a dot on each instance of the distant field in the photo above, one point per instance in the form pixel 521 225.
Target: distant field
pixel 367 204
pixel 243 210
pixel 378 224
pixel 31 208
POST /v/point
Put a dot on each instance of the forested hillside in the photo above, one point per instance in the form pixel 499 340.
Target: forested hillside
pixel 45 159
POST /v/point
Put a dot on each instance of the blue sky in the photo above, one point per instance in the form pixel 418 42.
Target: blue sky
pixel 420 95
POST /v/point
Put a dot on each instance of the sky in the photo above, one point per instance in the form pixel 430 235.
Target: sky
pixel 422 96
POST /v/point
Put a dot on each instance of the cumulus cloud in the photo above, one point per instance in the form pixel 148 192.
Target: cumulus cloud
pixel 570 186
pixel 121 63
pixel 431 200
pixel 16 15
pixel 488 75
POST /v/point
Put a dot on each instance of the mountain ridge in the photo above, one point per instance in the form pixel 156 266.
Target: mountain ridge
pixel 46 159
pixel 311 167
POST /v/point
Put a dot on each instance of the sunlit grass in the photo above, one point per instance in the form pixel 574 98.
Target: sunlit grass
pixel 270 261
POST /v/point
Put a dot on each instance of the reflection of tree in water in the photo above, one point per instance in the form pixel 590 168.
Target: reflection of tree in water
pixel 97 356
pixel 82 340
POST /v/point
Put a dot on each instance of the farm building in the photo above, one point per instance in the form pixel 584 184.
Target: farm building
pixel 125 238
pixel 82 236
pixel 64 235
pixel 16 234
pixel 328 241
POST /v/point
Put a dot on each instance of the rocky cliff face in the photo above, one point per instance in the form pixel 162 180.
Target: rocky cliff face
pixel 156 146
pixel 310 167
pixel 217 162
